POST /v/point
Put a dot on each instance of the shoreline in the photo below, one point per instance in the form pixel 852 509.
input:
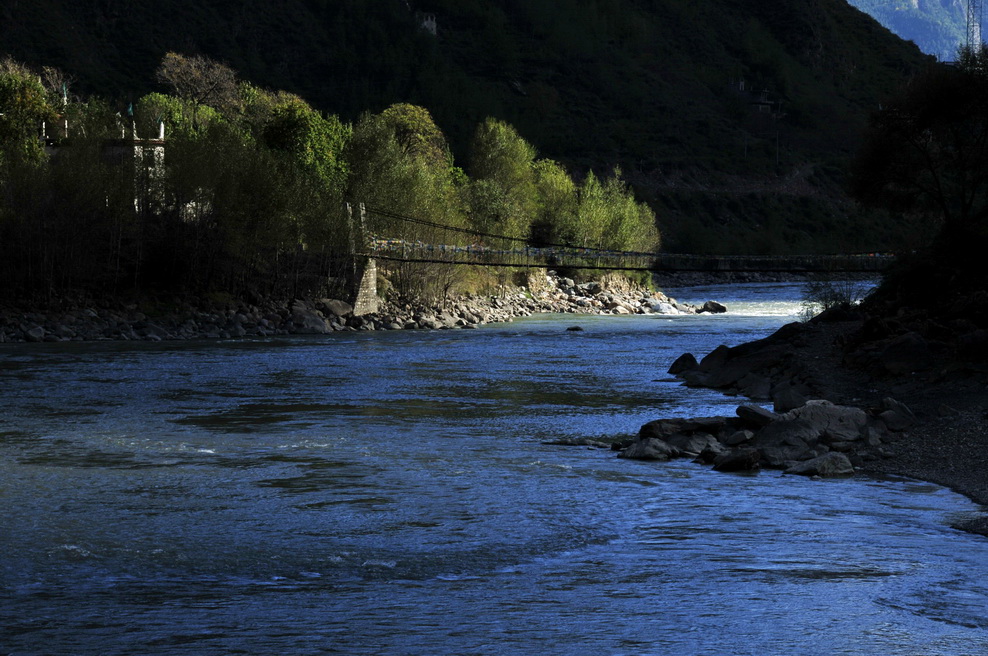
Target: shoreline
pixel 945 441
pixel 154 321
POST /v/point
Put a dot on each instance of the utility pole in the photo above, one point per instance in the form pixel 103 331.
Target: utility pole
pixel 974 15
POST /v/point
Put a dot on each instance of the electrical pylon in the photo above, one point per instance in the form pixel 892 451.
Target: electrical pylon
pixel 973 24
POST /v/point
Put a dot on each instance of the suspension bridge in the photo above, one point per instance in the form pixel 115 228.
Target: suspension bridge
pixel 430 242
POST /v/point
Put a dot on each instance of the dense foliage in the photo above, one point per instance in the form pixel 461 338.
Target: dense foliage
pixel 735 119
pixel 927 151
pixel 247 192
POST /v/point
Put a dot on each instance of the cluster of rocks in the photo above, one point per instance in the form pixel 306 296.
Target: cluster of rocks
pixel 766 369
pixel 310 317
pixel 818 438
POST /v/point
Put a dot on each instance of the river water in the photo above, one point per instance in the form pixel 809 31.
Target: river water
pixel 392 493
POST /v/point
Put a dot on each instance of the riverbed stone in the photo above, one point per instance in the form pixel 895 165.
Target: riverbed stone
pixel 685 362
pixel 692 445
pixel 649 448
pixel 786 397
pixel 738 460
pixel 34 333
pixel 837 421
pixel 335 306
pixel 739 437
pixel 896 416
pixel 755 415
pixel 829 464
pixel 713 307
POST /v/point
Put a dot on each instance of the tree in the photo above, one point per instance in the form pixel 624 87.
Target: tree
pixel 315 142
pixel 557 203
pixel 927 150
pixel 24 107
pixel 200 80
pixel 501 157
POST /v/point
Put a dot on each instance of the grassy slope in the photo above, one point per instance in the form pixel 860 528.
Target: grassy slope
pixel 650 85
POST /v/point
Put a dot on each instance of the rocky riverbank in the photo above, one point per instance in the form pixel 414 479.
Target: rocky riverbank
pixel 156 321
pixel 881 389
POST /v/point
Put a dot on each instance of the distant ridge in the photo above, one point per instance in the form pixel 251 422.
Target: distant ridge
pixel 938 27
pixel 734 118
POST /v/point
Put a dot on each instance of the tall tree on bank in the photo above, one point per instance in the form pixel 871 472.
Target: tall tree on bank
pixel 504 199
pixel 927 150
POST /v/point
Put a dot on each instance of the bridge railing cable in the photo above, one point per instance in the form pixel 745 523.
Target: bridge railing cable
pixel 484 249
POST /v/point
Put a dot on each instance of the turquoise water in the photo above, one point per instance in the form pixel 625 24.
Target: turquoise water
pixel 392 493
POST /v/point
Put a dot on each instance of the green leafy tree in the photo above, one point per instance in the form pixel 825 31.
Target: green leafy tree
pixel 630 224
pixel 24 106
pixel 315 142
pixel 396 169
pixel 499 156
pixel 556 211
pixel 591 213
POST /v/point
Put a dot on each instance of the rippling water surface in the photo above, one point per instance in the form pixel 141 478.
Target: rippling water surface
pixel 392 493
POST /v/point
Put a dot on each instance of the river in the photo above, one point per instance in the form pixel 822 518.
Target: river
pixel 392 493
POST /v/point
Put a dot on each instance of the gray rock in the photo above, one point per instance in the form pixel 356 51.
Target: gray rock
pixel 837 421
pixel 739 437
pixel 782 456
pixel 784 430
pixel 34 333
pixel 648 449
pixel 692 445
pixel 713 307
pixel 755 387
pixel 829 464
pixel 336 307
pixel 755 416
pixel 307 322
pixel 897 416
pixel 738 460
pixel 710 454
pixel 685 362
pixel 786 397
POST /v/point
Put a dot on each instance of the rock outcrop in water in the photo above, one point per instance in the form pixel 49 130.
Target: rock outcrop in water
pixel 818 438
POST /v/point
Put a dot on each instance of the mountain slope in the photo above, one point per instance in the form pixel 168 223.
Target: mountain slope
pixel 719 112
pixel 938 27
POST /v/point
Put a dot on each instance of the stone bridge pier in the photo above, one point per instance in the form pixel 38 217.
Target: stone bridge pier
pixel 364 287
pixel 363 272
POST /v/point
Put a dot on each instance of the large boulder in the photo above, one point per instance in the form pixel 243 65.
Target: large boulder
pixel 897 416
pixel 785 430
pixel 692 445
pixel 649 449
pixel 713 307
pixel 755 416
pixel 829 464
pixel 335 307
pixel 307 322
pixel 665 428
pixel 738 460
pixel 838 422
pixel 786 397
pixel 685 362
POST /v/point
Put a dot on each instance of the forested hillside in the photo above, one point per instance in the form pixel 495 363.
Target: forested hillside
pixel 938 27
pixel 734 119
